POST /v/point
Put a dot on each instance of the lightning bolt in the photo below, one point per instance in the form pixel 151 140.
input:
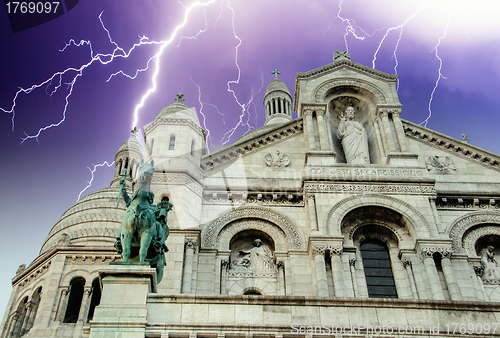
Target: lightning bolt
pixel 350 28
pixel 440 75
pixel 92 171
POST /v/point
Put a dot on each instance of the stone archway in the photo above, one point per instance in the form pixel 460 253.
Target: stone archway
pixel 457 230
pixel 219 232
pixel 418 226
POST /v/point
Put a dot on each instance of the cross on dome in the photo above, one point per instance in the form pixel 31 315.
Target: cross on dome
pixel 180 98
pixel 275 72
pixel 134 131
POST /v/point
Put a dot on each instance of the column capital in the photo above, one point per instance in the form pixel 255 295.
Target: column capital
pixel 224 263
pixel 307 112
pixel 430 251
pixel 352 261
pixel 320 111
pixel 280 265
pixel 191 243
pixel 406 263
pixel 478 270
pixel 335 250
pixel 319 249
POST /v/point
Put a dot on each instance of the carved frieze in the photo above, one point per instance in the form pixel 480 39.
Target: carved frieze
pixel 465 222
pixel 367 172
pixel 35 274
pixel 404 189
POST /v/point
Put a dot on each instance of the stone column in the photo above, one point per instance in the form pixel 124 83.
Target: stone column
pixel 310 128
pixel 282 106
pixel 25 324
pixel 63 303
pixel 449 276
pixel 323 140
pixel 352 267
pixel 380 145
pixel 337 271
pixel 187 275
pixel 432 274
pixel 387 132
pixel 13 325
pixel 84 308
pixel 224 265
pixel 409 272
pixel 319 260
pixel 399 130
pixel 311 207
pixel 433 225
pixel 281 276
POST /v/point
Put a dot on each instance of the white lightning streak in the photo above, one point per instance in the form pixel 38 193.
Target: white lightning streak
pixel 158 55
pixel 92 178
pixel 440 76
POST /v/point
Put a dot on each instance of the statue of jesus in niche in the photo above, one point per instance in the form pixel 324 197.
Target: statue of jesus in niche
pixel 354 138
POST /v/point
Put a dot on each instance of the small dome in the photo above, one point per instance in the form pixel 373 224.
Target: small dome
pixel 131 143
pixel 276 85
pixel 178 109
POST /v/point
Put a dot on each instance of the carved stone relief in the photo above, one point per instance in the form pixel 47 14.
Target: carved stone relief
pixel 440 165
pixel 278 160
pixel 460 226
pixel 490 266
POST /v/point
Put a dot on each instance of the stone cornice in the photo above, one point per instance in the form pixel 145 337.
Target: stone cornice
pixel 452 145
pixel 229 154
pixel 177 121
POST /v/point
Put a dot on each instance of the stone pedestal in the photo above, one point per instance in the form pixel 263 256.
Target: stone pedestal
pixel 123 311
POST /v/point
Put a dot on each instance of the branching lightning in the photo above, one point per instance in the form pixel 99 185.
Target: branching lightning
pixel 92 171
pixel 440 75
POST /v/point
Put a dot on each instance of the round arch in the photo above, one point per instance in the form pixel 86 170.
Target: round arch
pixel 458 228
pixel 266 220
pixel 418 226
pixel 321 91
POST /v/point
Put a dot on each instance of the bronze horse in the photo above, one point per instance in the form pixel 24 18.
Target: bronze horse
pixel 144 229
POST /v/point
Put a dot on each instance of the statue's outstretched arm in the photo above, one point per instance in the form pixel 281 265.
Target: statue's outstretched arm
pixel 123 192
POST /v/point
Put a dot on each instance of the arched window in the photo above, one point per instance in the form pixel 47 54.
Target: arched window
pixel 75 300
pixel 378 271
pixel 172 142
pixel 96 298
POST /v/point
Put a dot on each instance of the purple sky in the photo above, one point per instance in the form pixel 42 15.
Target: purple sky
pixel 42 179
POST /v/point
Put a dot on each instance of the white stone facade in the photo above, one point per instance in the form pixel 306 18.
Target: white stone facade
pixel 397 243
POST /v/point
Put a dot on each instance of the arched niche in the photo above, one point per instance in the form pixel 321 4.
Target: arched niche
pixel 468 229
pixel 218 233
pixel 252 250
pixel 364 102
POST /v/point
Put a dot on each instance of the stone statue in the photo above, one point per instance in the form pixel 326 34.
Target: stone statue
pixel 491 273
pixel 354 138
pixel 258 257
pixel 143 231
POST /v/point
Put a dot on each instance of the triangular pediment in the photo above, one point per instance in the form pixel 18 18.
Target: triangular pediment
pixel 452 146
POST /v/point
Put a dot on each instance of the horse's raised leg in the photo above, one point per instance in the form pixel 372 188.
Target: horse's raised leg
pixel 126 238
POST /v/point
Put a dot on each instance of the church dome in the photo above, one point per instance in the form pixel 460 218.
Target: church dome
pixel 92 221
pixel 131 144
pixel 277 85
pixel 178 109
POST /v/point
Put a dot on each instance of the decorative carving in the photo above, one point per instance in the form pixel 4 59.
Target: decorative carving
pixel 429 252
pixel 212 161
pixel 339 55
pixel 191 243
pixel 20 269
pixel 257 258
pixel 368 172
pixel 212 232
pixel 491 268
pixel 319 249
pixel 280 160
pixel 339 210
pixel 406 263
pixel 34 274
pixel 460 226
pixel 335 250
pixel 321 90
pixel 84 259
pixel 402 188
pixel 224 264
pixel 352 261
pixel 478 270
pixel 440 165
pixel 280 265
pixel 307 112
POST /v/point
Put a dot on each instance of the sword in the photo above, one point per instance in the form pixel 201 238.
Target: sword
pixel 120 193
